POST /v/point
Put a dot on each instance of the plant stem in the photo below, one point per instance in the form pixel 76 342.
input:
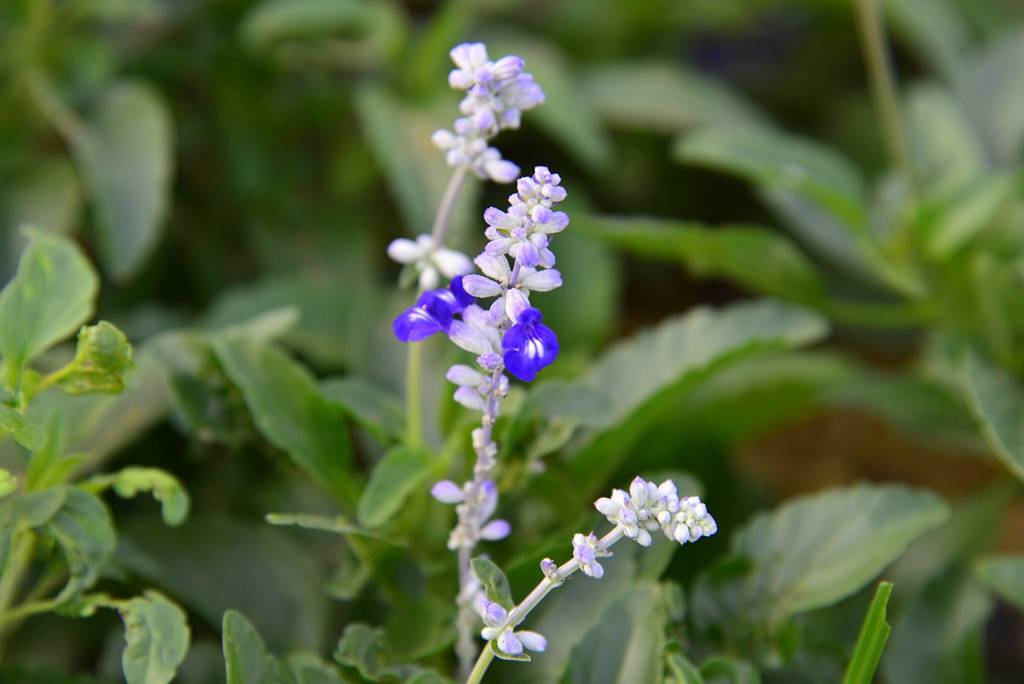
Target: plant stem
pixel 883 85
pixel 482 663
pixel 13 573
pixel 533 599
pixel 414 352
pixel 444 210
pixel 413 400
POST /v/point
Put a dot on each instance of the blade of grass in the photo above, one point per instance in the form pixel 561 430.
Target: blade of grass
pixel 871 642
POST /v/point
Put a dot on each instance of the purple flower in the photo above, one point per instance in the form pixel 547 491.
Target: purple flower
pixel 529 345
pixel 433 313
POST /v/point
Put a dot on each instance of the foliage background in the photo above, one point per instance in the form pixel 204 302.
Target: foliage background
pixel 219 159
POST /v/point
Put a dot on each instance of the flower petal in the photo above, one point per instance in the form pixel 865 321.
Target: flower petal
pixel 447 492
pixel 479 286
pixel 495 530
pixel 542 281
pixel 404 251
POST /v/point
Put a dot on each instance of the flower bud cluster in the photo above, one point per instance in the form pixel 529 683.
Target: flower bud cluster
pixel 497 93
pixel 648 508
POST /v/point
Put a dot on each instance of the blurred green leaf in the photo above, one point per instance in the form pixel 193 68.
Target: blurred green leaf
pixel 51 295
pixel 103 358
pixel 944 144
pixel 325 33
pixel 494 582
pixel 245 657
pixel 129 482
pixel 780 160
pixel 156 639
pixel 992 92
pixel 729 670
pixel 635 370
pixel 566 114
pixel 85 532
pixel 682 671
pixel 1004 575
pixel 817 549
pixel 363 647
pixel 398 474
pixel 938 638
pixel 47 196
pixel 997 402
pixel 400 137
pixel 211 564
pixel 871 641
pixel 308 669
pixel 126 153
pixel 626 644
pixel 961 215
pixel 373 407
pixel 289 411
pixel 757 257
pixel 662 96
pixel 24 432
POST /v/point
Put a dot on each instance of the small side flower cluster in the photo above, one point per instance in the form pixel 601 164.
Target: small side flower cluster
pixel 497 93
pixel 509 641
pixel 646 507
pixel 649 507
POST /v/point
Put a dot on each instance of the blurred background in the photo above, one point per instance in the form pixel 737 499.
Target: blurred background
pixel 221 159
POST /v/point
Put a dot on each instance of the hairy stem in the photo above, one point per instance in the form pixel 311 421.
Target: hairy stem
pixel 883 85
pixel 533 599
pixel 414 352
pixel 413 398
pixel 444 210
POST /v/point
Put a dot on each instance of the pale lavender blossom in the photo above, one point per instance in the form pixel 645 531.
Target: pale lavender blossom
pixel 586 552
pixel 429 260
pixel 508 641
pixel 497 93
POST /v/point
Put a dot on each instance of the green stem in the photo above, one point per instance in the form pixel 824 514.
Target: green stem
pixel 883 85
pixel 413 400
pixel 447 205
pixel 13 573
pixel 482 663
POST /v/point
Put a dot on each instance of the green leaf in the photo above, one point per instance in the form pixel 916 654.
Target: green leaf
pixel 566 114
pixel 156 639
pixel 779 160
pixel 8 483
pixel 965 212
pixel 635 370
pixel 399 136
pixel 325 33
pixel 990 88
pixel 84 530
pixel 211 564
pixel 944 144
pixel 373 407
pixel 363 647
pixel 245 657
pixel 1003 575
pixel 665 97
pixel 939 638
pixel 873 634
pixel 399 474
pixel 494 582
pixel 757 257
pixel 816 550
pixel 126 153
pixel 338 524
pixel 729 670
pixel 289 410
pixel 682 671
pixel 309 669
pixel 129 482
pixel 47 195
pixel 997 402
pixel 24 432
pixel 103 359
pixel 49 298
pixel 627 643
